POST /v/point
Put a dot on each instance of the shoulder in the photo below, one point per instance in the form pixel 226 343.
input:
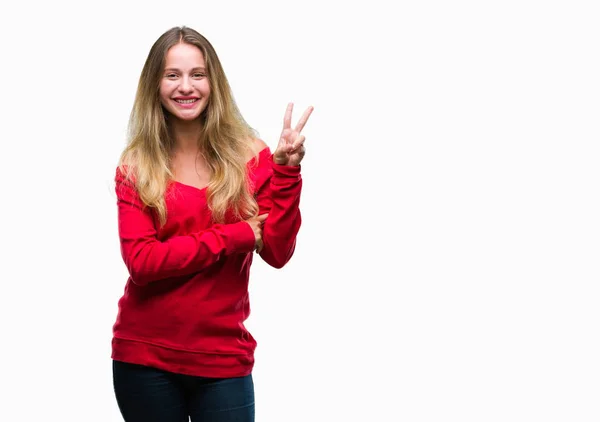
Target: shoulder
pixel 259 152
pixel 123 172
pixel 258 146
pixel 259 165
pixel 124 177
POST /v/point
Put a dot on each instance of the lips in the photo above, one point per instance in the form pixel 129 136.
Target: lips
pixel 186 103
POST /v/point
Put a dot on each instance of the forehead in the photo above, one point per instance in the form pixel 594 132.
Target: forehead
pixel 184 55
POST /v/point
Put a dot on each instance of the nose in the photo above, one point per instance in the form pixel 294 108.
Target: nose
pixel 185 86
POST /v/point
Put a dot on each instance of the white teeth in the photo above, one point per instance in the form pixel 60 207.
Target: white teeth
pixel 186 101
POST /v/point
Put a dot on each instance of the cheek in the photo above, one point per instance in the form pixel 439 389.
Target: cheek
pixel 164 93
pixel 204 88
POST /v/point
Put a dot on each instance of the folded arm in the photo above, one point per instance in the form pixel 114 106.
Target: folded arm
pixel 148 259
pixel 279 195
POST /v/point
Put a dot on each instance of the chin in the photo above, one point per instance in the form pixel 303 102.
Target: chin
pixel 187 117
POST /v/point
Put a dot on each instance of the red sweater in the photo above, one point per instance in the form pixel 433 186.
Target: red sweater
pixel 186 300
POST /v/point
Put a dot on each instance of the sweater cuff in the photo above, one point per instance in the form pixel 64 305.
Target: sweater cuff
pixel 240 237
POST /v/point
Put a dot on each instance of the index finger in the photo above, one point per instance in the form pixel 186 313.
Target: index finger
pixel 287 120
pixel 304 119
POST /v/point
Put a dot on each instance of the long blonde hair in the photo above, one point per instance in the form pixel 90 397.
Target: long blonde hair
pixel 225 141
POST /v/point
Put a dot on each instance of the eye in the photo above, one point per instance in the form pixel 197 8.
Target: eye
pixel 199 75
pixel 171 75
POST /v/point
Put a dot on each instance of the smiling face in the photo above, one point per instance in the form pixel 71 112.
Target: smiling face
pixel 184 86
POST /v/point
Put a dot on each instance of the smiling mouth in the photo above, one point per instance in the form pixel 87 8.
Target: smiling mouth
pixel 186 101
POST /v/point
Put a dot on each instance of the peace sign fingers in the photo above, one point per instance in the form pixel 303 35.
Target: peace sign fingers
pixel 290 149
pixel 287 119
pixel 304 119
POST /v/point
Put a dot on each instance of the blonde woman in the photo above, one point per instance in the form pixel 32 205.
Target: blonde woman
pixel 197 193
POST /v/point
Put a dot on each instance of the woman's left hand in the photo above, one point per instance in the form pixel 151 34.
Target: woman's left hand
pixel 290 149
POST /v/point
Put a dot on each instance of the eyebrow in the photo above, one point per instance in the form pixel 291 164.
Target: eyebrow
pixel 174 69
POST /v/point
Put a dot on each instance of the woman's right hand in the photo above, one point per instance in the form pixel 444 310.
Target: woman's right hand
pixel 290 149
pixel 257 225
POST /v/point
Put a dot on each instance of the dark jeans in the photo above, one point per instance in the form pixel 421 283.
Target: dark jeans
pixel 147 394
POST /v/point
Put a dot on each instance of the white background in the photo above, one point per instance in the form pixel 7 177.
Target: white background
pixel 447 268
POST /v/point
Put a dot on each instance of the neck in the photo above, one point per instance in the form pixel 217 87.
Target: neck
pixel 185 135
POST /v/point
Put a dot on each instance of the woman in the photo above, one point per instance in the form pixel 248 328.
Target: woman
pixel 197 194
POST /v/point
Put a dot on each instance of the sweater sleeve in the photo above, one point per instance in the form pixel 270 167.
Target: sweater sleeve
pixel 149 259
pixel 278 193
